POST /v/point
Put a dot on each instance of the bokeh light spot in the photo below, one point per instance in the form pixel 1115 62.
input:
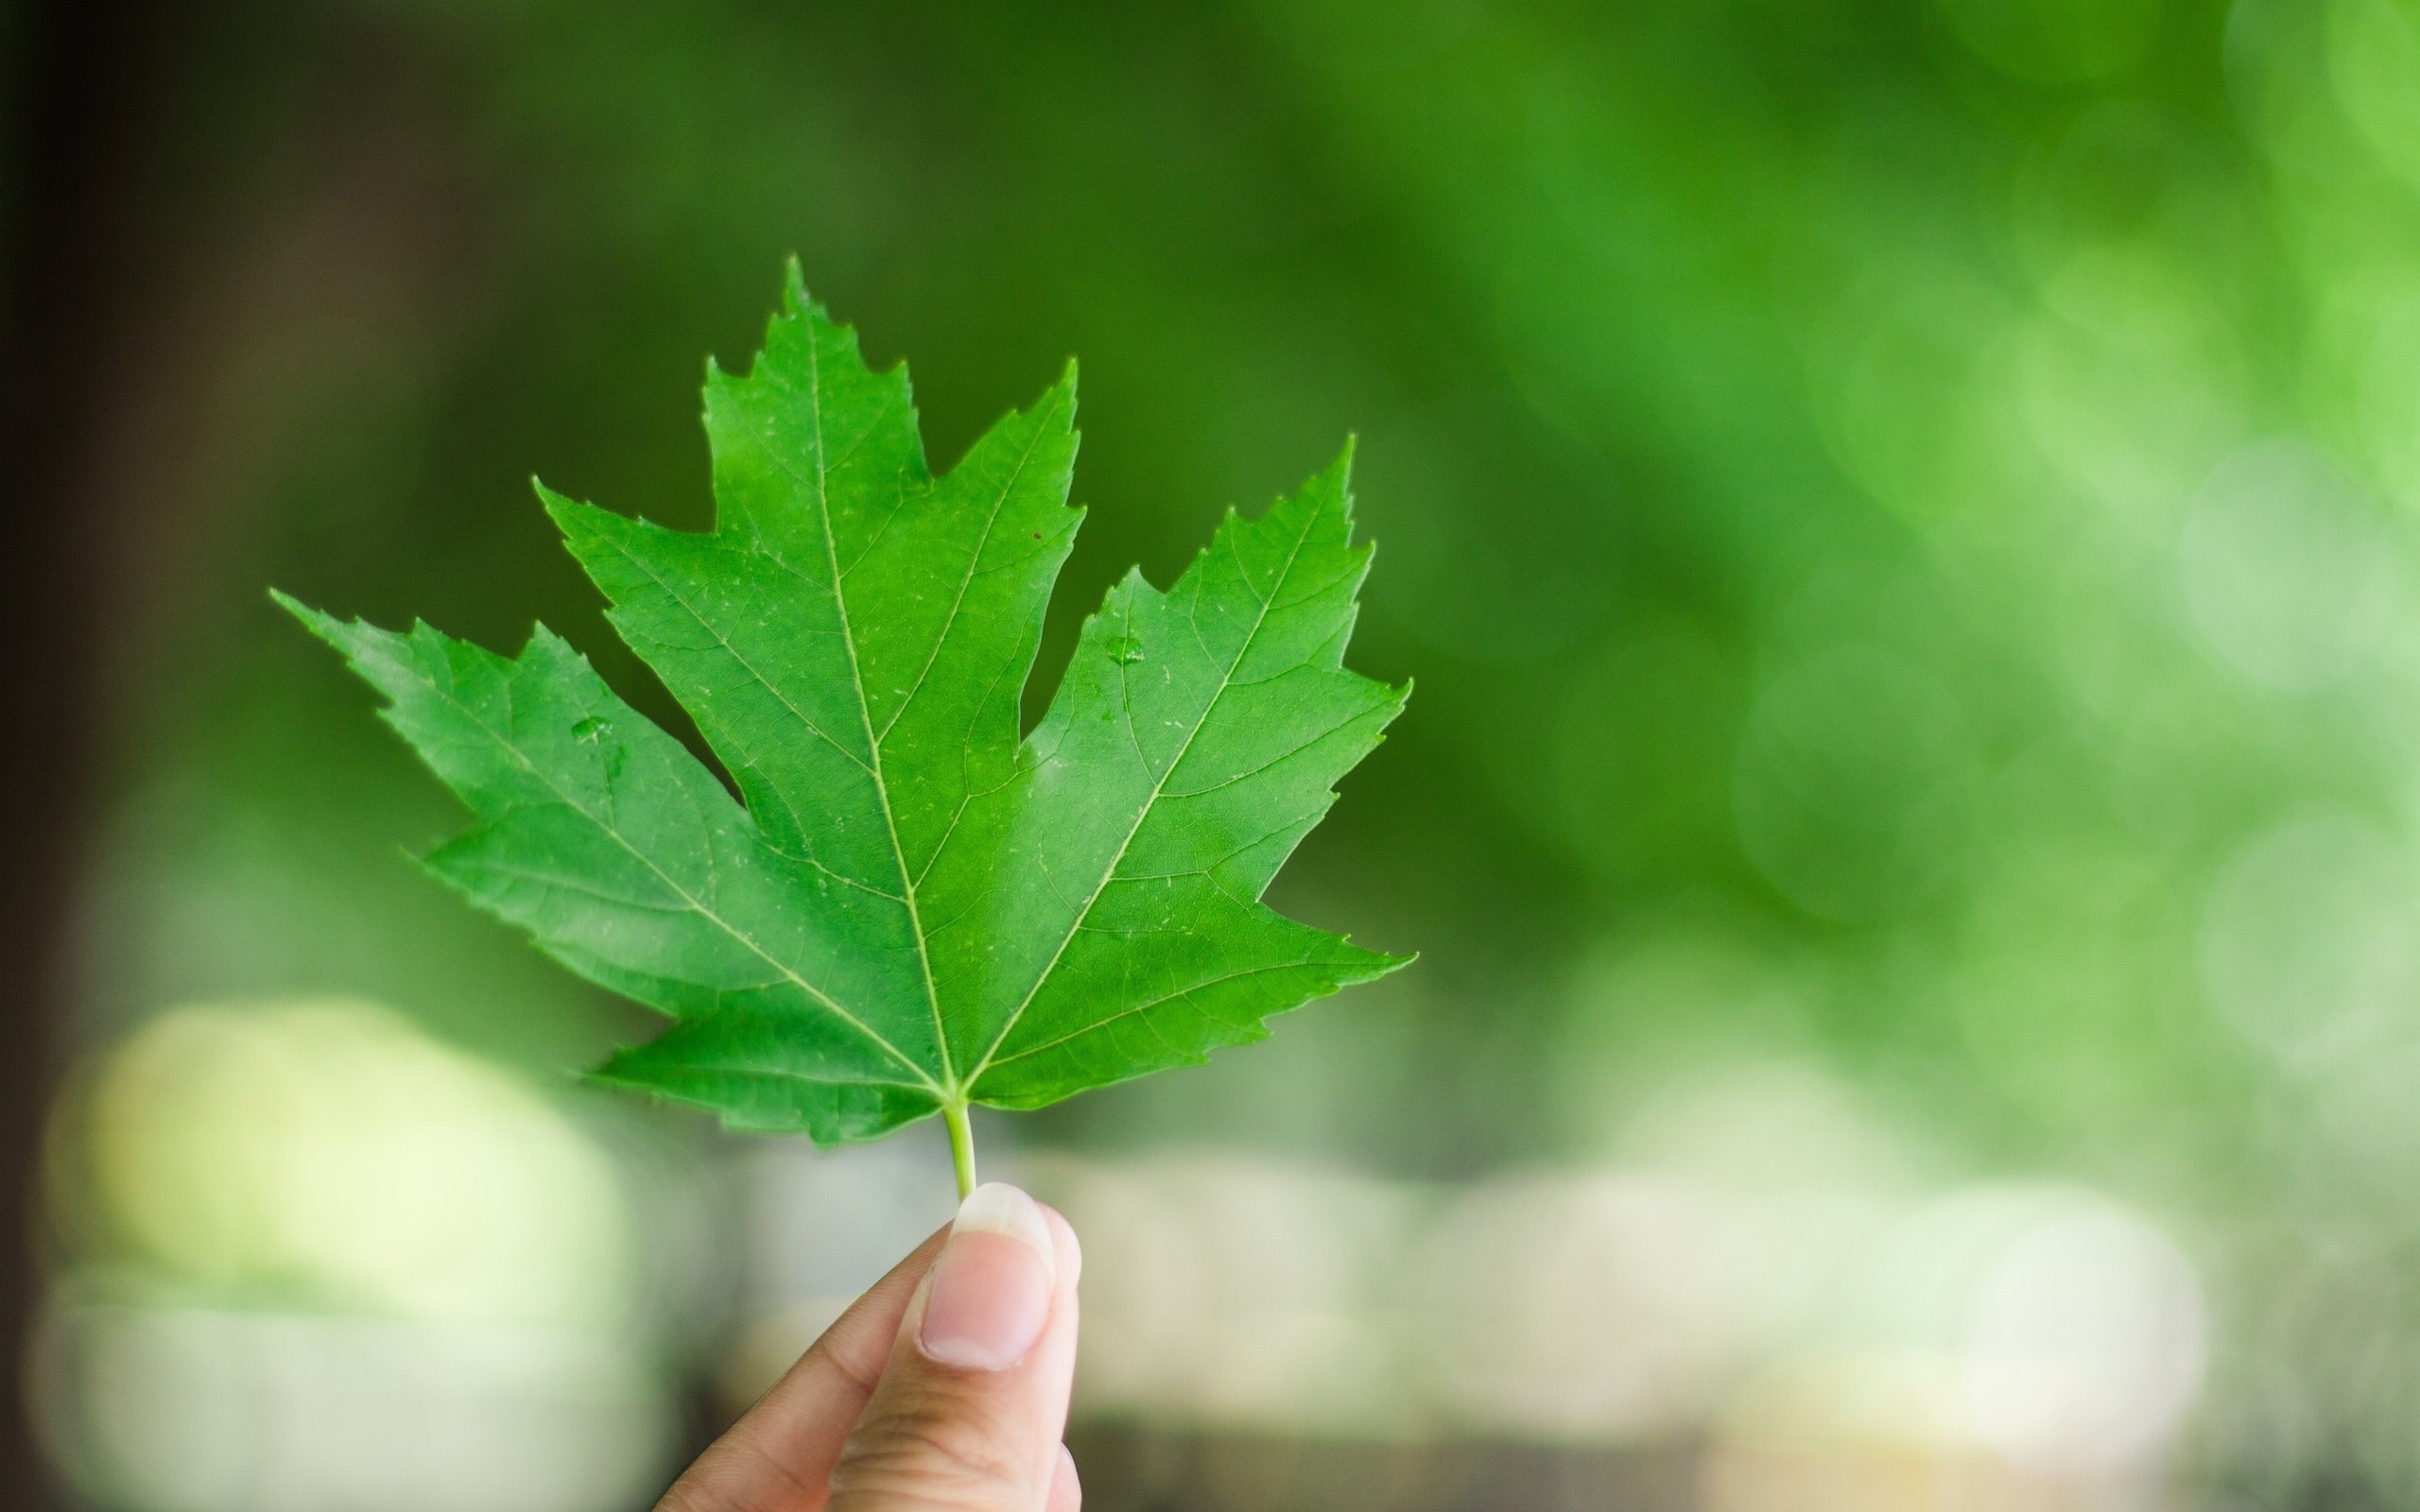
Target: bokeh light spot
pixel 1850 781
pixel 2289 573
pixel 2310 940
pixel 328 1151
pixel 2054 41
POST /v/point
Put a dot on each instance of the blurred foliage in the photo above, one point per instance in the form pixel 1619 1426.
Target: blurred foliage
pixel 1900 511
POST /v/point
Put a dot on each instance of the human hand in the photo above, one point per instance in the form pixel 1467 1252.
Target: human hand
pixel 941 1389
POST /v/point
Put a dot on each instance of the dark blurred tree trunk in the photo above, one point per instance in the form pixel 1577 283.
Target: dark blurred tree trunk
pixel 83 85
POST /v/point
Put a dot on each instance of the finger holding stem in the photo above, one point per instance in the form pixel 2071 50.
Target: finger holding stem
pixel 973 1402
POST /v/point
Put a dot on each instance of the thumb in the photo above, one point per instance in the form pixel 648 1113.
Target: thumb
pixel 969 1412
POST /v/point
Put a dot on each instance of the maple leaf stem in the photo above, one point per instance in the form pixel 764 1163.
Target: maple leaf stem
pixel 962 1145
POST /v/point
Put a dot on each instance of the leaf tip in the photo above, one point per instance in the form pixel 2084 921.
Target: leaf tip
pixel 319 622
pixel 1339 475
pixel 1376 964
pixel 570 515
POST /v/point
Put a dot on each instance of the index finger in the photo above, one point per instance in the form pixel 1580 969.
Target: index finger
pixel 779 1457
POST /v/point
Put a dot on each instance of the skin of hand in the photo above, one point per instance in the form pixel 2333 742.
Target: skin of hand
pixel 941 1389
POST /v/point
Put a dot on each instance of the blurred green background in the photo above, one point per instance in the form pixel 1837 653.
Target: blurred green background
pixel 1901 513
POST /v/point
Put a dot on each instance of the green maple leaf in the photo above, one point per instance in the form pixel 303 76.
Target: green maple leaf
pixel 915 910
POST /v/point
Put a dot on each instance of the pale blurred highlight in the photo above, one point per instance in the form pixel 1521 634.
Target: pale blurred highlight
pixel 331 1263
